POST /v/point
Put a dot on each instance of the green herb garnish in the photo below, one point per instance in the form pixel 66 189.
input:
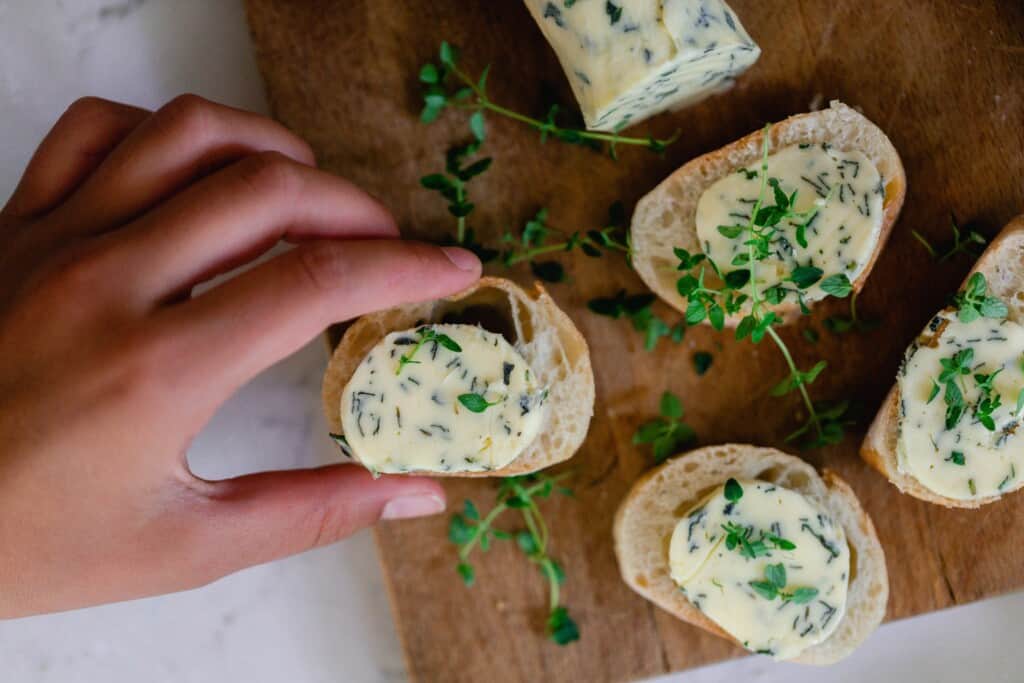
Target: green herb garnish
pixel 447 86
pixel 667 433
pixel 740 291
pixel 974 301
pixel 742 537
pixel 469 530
pixel 774 586
pixel 969 244
pixel 477 403
pixel 426 334
pixel 637 307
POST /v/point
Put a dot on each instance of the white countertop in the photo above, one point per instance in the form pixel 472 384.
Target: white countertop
pixel 323 616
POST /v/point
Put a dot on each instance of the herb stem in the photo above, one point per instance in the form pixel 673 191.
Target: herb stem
pixel 795 373
pixel 484 102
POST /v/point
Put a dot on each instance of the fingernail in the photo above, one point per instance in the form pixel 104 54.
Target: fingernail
pixel 405 507
pixel 463 260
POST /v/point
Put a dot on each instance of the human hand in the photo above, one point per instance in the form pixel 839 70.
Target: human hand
pixel 109 365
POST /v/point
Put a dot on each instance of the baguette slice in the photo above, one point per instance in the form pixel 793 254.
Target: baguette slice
pixel 666 217
pixel 1002 264
pixel 544 335
pixel 646 518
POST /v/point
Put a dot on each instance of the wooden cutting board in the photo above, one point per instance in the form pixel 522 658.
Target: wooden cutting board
pixel 944 79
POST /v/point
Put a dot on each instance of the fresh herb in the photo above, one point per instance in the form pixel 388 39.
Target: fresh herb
pixel 970 244
pixel 988 401
pixel 702 361
pixel 974 301
pixel 426 334
pixel 469 530
pixel 637 307
pixel 477 403
pixel 447 86
pixel 957 458
pixel 452 183
pixel 774 586
pixel 667 433
pixel 732 490
pixel 739 536
pixel 594 243
pixel 740 291
pixel 951 377
pixel 841 325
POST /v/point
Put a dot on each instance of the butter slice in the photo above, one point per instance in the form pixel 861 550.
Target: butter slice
pixel 991 459
pixel 716 580
pixel 845 187
pixel 413 420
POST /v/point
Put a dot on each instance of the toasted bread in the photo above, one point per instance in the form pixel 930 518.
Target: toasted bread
pixel 544 335
pixel 1002 264
pixel 666 217
pixel 647 517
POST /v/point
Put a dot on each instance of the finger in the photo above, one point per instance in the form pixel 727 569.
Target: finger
pixel 187 138
pixel 79 141
pixel 262 517
pixel 244 325
pixel 239 212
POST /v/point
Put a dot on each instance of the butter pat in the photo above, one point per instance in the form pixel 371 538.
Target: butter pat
pixel 968 460
pixel 628 60
pixel 722 582
pixel 474 409
pixel 844 186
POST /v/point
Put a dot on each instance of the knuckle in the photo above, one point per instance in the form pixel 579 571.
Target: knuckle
pixel 321 265
pixel 271 173
pixel 187 115
pixel 328 526
pixel 77 270
pixel 86 109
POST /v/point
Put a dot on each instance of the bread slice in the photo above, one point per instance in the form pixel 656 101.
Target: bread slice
pixel 544 335
pixel 666 217
pixel 646 518
pixel 1002 264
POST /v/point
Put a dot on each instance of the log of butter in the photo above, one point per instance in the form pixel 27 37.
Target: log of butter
pixel 631 59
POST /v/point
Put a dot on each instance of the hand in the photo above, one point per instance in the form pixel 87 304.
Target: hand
pixel 109 365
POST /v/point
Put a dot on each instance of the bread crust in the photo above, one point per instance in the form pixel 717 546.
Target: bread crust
pixel 1003 258
pixel 647 516
pixel 666 217
pixel 548 340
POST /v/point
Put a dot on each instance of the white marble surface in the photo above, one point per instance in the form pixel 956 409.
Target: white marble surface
pixel 322 616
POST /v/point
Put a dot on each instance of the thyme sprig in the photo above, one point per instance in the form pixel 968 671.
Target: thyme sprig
pixel 446 85
pixel 469 530
pixel 740 291
pixel 425 335
pixel 638 309
pixel 535 241
pixel 666 434
pixel 969 244
pixel 774 586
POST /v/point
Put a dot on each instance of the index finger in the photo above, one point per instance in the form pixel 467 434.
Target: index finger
pixel 239 328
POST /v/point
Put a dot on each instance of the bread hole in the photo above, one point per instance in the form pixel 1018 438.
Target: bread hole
pixel 795 480
pixel 690 467
pixel 641 580
pixel 489 308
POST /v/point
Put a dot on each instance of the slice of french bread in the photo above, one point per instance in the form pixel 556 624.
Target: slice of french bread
pixel 544 335
pixel 647 517
pixel 1002 264
pixel 666 217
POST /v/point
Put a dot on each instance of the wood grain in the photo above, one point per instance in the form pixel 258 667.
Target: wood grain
pixel 944 79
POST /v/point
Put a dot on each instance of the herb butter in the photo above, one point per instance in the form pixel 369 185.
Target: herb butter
pixel 765 564
pixel 442 398
pixel 977 450
pixel 627 61
pixel 840 193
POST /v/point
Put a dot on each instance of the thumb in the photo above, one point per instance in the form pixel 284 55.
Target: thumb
pixel 263 517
